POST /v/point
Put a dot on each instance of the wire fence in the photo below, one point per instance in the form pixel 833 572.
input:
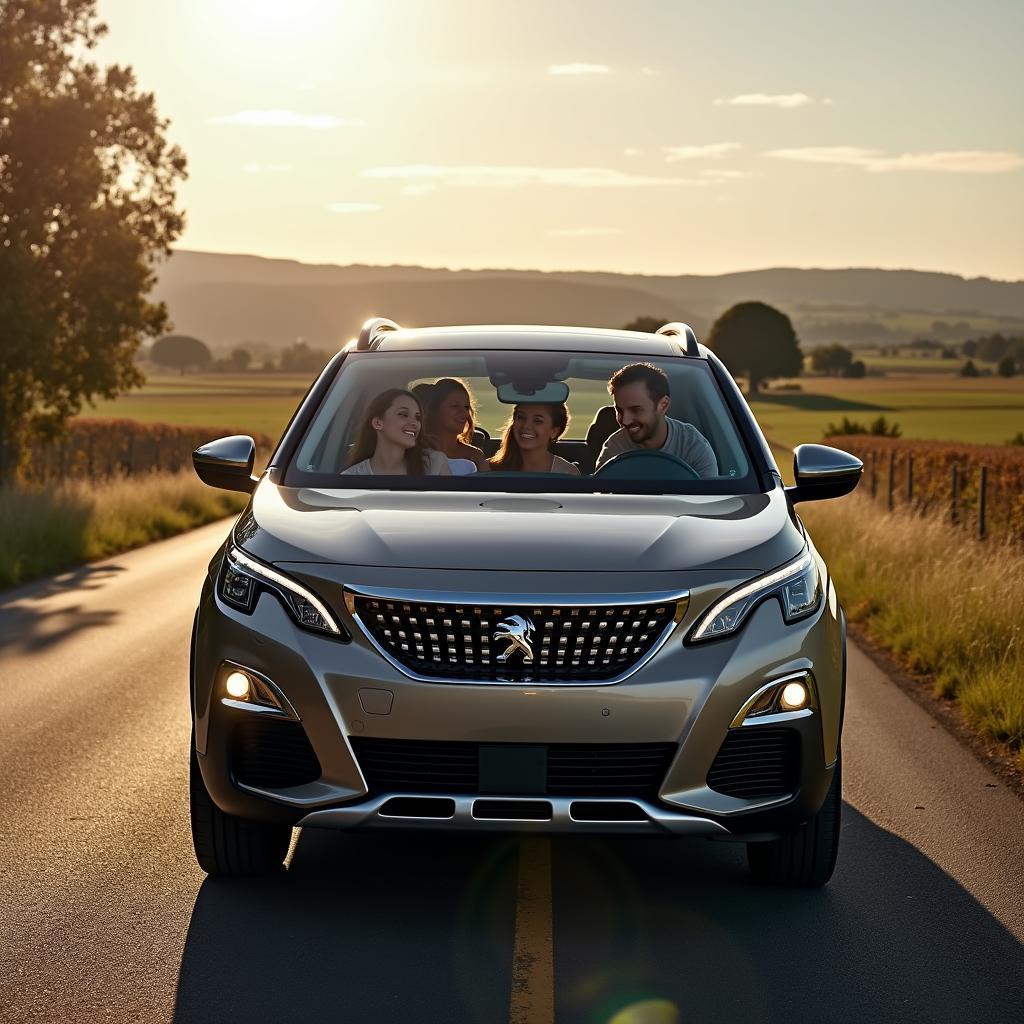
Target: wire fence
pixel 975 487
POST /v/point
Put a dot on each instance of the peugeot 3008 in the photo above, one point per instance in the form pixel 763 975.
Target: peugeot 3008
pixel 641 639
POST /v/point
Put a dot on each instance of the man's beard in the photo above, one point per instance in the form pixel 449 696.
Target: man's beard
pixel 641 434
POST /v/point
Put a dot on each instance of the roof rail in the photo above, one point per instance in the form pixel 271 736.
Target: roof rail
pixel 687 339
pixel 369 334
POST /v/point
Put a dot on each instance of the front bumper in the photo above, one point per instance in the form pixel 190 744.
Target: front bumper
pixel 686 696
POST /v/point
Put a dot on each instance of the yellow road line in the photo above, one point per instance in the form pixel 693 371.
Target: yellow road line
pixel 533 969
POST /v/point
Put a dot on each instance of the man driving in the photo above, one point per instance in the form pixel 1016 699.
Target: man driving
pixel 640 392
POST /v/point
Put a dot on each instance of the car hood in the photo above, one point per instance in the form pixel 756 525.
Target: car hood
pixel 486 531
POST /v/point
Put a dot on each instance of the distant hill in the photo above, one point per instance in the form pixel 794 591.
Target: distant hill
pixel 229 300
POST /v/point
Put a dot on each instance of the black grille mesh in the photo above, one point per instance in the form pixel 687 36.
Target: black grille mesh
pixel 573 769
pixel 757 761
pixel 272 754
pixel 568 642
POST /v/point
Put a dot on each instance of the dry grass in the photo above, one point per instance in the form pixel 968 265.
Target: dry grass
pixel 50 529
pixel 946 605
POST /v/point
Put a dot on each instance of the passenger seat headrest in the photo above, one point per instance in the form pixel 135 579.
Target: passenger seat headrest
pixel 603 426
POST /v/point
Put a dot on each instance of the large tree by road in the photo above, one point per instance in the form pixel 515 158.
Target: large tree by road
pixel 87 203
pixel 756 341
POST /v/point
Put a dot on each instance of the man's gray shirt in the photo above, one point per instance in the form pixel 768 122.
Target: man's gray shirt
pixel 684 441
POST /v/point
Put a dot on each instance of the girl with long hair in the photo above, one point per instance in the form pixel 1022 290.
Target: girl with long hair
pixel 450 416
pixel 389 442
pixel 529 440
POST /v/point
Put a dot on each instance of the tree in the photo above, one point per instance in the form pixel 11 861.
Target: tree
pixel 969 348
pixel 180 352
pixel 969 369
pixel 300 358
pixel 647 324
pixel 1006 367
pixel 833 359
pixel 856 369
pixel 240 359
pixel 758 341
pixel 87 205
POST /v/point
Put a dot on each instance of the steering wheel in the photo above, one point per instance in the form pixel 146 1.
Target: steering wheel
pixel 647 464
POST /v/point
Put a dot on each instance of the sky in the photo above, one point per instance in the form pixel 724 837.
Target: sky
pixel 642 136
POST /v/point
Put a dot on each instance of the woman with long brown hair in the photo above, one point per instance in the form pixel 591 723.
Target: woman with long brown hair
pixel 529 440
pixel 389 442
pixel 450 415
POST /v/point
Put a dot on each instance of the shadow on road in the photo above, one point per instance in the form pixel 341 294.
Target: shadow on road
pixel 408 928
pixel 892 937
pixel 394 927
pixel 29 620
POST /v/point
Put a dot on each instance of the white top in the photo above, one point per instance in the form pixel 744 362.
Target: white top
pixel 437 465
pixel 683 440
pixel 560 465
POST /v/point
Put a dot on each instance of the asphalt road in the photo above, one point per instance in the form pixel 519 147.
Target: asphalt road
pixel 104 915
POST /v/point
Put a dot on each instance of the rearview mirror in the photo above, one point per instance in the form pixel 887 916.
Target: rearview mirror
pixel 227 463
pixel 823 472
pixel 553 392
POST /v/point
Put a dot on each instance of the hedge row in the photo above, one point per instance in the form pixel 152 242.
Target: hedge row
pixel 101 448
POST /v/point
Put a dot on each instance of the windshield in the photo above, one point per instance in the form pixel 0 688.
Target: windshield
pixel 523 421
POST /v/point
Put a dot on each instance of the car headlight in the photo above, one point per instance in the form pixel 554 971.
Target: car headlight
pixel 242 578
pixel 797 585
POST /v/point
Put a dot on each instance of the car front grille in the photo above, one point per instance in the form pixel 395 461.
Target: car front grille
pixel 572 769
pixel 272 754
pixel 514 643
pixel 757 761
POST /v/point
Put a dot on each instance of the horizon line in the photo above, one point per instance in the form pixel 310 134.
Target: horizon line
pixel 576 270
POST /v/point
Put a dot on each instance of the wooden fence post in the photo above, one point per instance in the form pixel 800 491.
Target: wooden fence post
pixel 982 500
pixel 892 480
pixel 954 486
pixel 910 479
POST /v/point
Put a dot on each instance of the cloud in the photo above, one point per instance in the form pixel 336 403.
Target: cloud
pixel 964 161
pixel 717 174
pixel 425 188
pixel 785 101
pixel 254 167
pixel 353 207
pixel 582 232
pixel 284 119
pixel 579 69
pixel 518 177
pixel 712 151
pixel 631 151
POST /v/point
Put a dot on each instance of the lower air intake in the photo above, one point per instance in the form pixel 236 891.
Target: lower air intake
pixel 272 754
pixel 757 761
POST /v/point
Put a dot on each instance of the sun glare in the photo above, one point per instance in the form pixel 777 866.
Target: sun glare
pixel 277 18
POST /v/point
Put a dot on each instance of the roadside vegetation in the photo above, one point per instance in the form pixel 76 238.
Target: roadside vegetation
pixel 948 607
pixel 51 529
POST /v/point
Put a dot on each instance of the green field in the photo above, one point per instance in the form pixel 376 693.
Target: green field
pixel 249 403
pixel 926 405
pixel 982 410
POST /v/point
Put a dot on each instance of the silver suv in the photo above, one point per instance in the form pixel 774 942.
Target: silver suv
pixel 473 613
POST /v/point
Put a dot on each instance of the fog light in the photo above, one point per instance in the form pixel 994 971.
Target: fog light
pixel 794 696
pixel 237 685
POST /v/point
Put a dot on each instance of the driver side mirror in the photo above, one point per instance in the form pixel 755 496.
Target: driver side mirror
pixel 823 472
pixel 227 463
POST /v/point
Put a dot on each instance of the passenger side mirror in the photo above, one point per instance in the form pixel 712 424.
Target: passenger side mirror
pixel 227 463
pixel 823 472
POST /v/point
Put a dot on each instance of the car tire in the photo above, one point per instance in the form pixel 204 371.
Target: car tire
pixel 228 845
pixel 806 856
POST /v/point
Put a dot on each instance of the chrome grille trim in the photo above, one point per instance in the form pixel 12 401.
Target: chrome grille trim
pixel 510 604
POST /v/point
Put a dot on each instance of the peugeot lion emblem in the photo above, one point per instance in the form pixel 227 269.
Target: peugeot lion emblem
pixel 518 631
